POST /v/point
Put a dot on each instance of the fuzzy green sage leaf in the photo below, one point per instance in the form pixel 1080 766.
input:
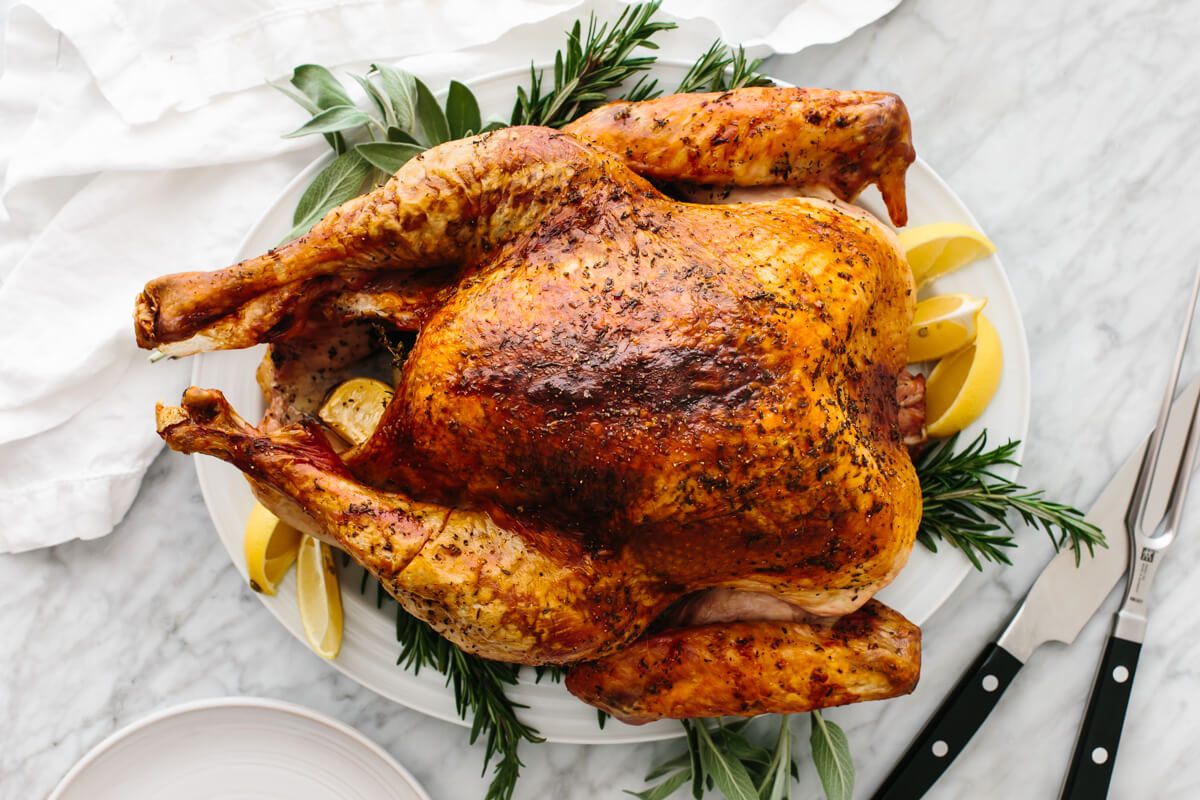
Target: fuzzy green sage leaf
pixel 388 156
pixel 331 120
pixel 381 102
pixel 434 125
pixel 462 111
pixel 395 134
pixel 664 789
pixel 340 181
pixel 831 757
pixel 320 87
pixel 401 90
pixel 777 781
pixel 729 774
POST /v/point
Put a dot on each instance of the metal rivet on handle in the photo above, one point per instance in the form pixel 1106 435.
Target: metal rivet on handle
pixel 1099 755
pixel 990 683
pixel 940 748
pixel 1121 674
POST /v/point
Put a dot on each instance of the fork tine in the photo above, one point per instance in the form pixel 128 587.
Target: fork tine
pixel 1183 476
pixel 1100 734
pixel 1135 517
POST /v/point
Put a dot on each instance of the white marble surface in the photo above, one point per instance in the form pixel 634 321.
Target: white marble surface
pixel 1070 129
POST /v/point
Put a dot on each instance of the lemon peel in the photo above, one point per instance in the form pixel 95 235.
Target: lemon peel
pixel 319 597
pixel 941 247
pixel 270 547
pixel 961 385
pixel 942 324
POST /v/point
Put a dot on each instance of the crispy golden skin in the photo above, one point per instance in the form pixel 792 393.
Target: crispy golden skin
pixel 493 590
pixel 748 668
pixel 814 138
pixel 615 399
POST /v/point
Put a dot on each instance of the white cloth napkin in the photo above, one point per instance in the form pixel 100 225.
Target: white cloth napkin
pixel 139 138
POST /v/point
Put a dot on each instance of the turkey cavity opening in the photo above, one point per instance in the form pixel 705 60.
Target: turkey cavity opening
pixel 713 606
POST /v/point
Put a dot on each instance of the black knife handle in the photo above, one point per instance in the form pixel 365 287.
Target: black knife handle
pixel 948 732
pixel 1096 750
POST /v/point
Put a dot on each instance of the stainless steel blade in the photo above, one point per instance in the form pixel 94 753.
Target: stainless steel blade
pixel 1064 597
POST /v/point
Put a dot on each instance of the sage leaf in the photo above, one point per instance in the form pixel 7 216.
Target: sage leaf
pixel 401 90
pixel 434 125
pixel 382 104
pixel 664 789
pixel 335 139
pixel 395 134
pixel 831 757
pixel 777 782
pixel 726 772
pixel 740 747
pixel 462 111
pixel 320 86
pixel 338 118
pixel 682 761
pixel 334 185
pixel 388 156
pixel 300 98
pixel 697 770
pixel 494 125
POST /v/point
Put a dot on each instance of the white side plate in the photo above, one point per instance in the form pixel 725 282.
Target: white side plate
pixel 369 648
pixel 237 747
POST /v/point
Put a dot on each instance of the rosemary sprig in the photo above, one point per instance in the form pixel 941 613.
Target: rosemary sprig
pixel 479 691
pixel 966 504
pixel 722 68
pixel 593 64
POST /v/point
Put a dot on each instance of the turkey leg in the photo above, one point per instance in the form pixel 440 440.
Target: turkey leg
pixel 755 667
pixel 385 531
pixel 502 595
pixel 814 139
pixel 445 207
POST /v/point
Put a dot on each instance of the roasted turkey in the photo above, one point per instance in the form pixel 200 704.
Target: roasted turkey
pixel 659 441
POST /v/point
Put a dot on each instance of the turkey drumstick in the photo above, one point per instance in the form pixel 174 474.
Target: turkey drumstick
pixel 447 206
pixel 487 589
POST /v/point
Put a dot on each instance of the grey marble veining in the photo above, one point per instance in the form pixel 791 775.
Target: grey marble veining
pixel 1070 129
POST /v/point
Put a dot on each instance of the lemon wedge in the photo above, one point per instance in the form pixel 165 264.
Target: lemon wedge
pixel 320 597
pixel 270 547
pixel 355 407
pixel 942 324
pixel 961 385
pixel 941 247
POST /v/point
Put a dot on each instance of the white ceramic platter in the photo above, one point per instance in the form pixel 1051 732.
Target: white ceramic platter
pixel 237 748
pixel 369 649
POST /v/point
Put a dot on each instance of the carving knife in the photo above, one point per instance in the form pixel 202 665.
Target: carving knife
pixel 1059 604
